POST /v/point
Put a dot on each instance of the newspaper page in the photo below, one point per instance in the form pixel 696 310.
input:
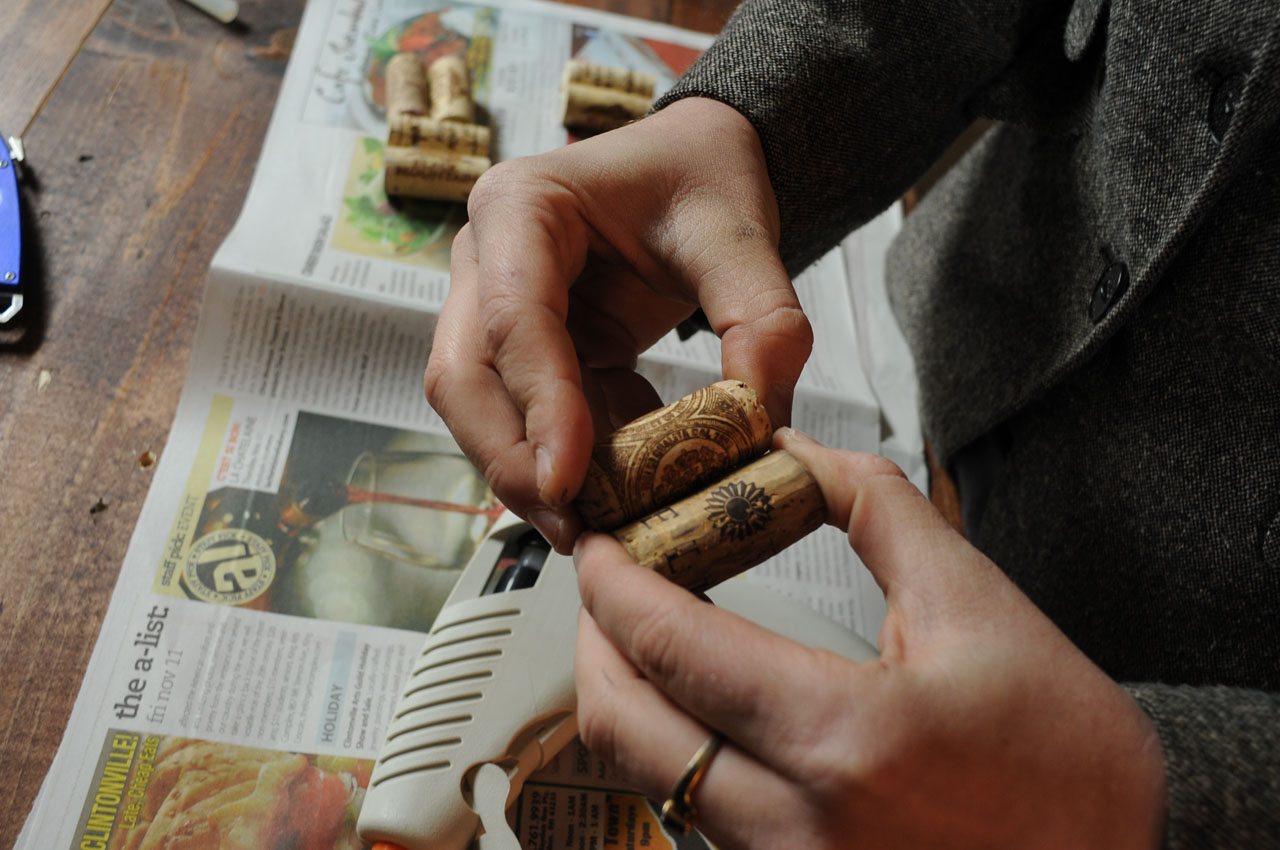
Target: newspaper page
pixel 311 513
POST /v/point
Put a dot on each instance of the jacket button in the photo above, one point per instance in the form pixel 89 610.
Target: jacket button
pixel 1222 104
pixel 1107 291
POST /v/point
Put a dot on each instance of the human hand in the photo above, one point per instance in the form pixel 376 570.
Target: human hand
pixel 576 261
pixel 980 725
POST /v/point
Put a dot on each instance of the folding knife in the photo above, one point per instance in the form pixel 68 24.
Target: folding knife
pixel 10 232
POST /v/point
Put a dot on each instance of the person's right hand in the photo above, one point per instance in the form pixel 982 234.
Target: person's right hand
pixel 980 725
pixel 574 262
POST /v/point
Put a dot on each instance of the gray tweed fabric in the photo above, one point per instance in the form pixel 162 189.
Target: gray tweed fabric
pixel 1137 144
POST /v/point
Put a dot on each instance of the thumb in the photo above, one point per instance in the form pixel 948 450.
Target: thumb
pixel 927 570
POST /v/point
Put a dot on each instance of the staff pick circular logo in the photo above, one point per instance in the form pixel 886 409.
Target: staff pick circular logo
pixel 229 567
pixel 739 509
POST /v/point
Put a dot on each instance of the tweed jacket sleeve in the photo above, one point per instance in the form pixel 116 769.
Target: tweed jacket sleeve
pixel 1097 159
pixel 851 104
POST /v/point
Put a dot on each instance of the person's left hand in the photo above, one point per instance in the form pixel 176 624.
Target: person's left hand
pixel 980 725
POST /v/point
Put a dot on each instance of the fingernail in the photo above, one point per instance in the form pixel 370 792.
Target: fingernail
pixel 543 469
pixel 547 522
pixel 790 434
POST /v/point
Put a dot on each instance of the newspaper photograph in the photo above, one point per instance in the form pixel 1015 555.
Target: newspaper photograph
pixel 318 516
pixel 155 791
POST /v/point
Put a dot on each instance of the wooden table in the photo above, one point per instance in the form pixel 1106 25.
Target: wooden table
pixel 142 121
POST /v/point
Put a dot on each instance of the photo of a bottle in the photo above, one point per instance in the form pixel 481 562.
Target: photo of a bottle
pixel 425 508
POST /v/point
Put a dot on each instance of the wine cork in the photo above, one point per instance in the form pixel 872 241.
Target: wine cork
pixel 744 519
pixel 418 173
pixel 599 109
pixel 451 90
pixel 608 77
pixel 452 136
pixel 671 452
pixel 406 85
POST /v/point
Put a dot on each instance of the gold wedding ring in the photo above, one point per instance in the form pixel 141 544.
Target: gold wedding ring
pixel 678 811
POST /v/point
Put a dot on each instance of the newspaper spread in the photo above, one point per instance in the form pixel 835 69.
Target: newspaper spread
pixel 311 512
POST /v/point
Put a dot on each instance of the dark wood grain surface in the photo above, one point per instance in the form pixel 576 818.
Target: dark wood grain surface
pixel 142 120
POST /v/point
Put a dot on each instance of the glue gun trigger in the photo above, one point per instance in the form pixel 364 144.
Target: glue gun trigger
pixel 489 790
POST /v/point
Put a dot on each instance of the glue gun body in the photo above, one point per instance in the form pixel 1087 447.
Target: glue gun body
pixel 491 697
pixel 493 685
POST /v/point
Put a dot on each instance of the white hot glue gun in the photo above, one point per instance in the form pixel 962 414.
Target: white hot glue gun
pixel 491 697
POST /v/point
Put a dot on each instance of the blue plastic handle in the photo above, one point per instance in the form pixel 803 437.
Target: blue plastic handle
pixel 10 239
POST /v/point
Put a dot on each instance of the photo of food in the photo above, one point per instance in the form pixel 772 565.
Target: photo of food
pixel 409 230
pixel 444 31
pixel 189 794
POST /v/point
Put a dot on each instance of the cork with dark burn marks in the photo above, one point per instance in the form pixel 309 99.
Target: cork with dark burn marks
pixel 671 452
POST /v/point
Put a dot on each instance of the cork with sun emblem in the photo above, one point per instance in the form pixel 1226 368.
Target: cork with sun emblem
pixel 671 452
pixel 740 521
